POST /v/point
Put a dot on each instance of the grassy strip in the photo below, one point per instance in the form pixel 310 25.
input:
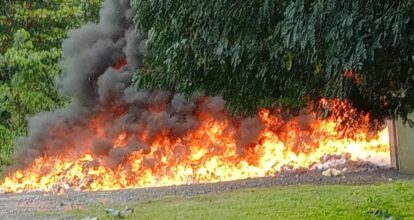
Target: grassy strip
pixel 383 201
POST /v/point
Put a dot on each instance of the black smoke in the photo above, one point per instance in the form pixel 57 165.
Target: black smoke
pixel 95 87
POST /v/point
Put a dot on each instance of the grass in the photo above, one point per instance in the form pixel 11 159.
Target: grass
pixel 380 201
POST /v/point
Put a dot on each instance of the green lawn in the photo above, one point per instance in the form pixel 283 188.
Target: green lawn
pixel 383 201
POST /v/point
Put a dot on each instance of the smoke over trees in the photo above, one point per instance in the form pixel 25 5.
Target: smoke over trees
pixel 97 64
pixel 111 132
pixel 253 54
pixel 265 53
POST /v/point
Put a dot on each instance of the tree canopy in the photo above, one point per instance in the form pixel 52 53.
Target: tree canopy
pixel 31 33
pixel 265 53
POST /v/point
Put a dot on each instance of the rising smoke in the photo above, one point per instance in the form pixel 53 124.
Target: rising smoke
pixel 97 88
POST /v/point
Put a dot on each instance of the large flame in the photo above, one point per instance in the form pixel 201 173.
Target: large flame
pixel 208 153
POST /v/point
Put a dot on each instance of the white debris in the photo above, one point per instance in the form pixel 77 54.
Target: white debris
pixel 127 212
pixel 332 172
pixel 90 218
pixel 119 214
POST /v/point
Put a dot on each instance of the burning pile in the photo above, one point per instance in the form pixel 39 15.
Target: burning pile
pixel 114 137
pixel 178 143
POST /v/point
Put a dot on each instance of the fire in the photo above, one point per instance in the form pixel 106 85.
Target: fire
pixel 210 152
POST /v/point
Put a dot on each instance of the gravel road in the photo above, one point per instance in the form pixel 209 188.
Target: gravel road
pixel 29 205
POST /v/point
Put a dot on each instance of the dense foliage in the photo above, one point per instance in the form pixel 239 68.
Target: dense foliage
pixel 262 53
pixel 31 33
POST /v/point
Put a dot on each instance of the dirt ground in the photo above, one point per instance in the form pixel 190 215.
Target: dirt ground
pixel 34 205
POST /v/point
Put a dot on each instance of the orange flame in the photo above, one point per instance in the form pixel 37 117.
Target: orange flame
pixel 209 153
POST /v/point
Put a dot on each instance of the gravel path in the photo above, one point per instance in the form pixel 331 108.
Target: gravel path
pixel 28 205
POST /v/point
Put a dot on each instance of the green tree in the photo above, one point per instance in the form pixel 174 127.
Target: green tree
pixel 263 53
pixel 47 21
pixel 31 33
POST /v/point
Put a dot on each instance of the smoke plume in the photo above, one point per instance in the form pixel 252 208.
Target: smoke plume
pixel 99 84
pixel 113 136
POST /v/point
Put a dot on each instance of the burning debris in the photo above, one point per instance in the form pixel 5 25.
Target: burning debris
pixel 113 137
pixel 333 172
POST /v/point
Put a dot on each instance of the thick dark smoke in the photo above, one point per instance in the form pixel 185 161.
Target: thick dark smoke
pixel 96 87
